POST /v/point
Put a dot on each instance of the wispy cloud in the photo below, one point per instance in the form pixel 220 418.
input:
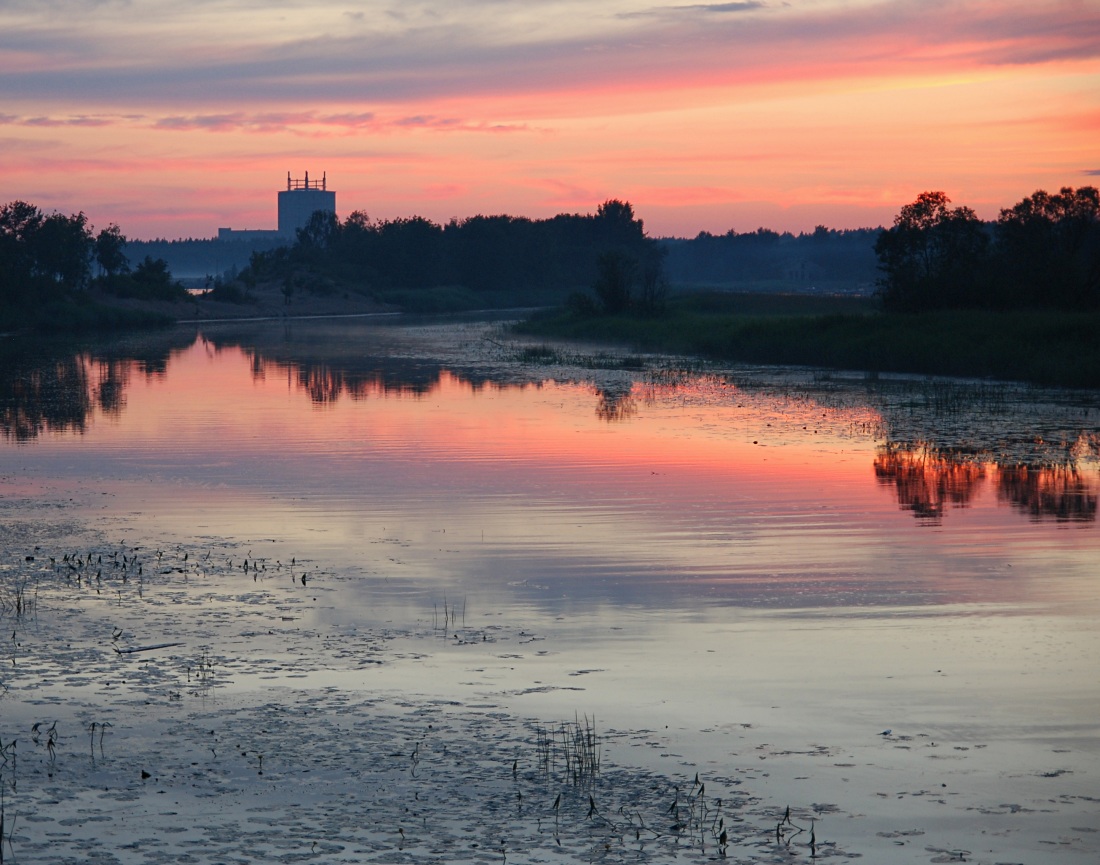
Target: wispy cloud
pixel 44 121
pixel 265 122
pixel 306 123
pixel 454 124
pixel 468 48
pixel 696 8
pixel 67 121
pixel 310 123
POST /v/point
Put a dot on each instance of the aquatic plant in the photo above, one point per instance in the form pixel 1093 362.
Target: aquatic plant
pixel 10 830
pixel 101 726
pixel 450 615
pixel 786 830
pixel 575 746
pixel 19 601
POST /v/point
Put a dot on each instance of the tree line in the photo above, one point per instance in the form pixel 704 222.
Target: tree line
pixel 506 255
pixel 48 258
pixel 1042 253
pixel 196 258
pixel 826 258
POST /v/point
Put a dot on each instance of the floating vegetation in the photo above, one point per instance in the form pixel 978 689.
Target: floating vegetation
pixel 316 770
pixel 545 354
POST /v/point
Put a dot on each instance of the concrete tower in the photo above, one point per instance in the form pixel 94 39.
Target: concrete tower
pixel 298 203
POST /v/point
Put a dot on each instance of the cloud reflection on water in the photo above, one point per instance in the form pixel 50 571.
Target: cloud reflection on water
pixel 937 445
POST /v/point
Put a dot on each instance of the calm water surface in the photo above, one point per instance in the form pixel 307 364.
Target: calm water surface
pixel 709 539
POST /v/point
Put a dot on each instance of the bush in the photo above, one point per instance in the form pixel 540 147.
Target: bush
pixel 150 280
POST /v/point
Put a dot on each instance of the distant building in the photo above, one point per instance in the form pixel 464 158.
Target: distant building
pixel 301 200
pixel 297 203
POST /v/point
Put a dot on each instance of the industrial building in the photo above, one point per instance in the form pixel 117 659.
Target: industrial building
pixel 297 203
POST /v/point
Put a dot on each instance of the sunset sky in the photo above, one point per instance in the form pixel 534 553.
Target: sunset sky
pixel 173 119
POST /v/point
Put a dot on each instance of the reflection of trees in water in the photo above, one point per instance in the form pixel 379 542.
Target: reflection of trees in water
pixel 60 395
pixel 59 387
pixel 1056 492
pixel 927 481
pixel 369 376
pixel 1003 423
pixel 946 439
pixel 329 365
pixel 326 384
pixel 615 404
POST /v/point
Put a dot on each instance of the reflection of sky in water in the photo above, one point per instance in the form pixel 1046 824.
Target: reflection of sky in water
pixel 661 550
pixel 656 491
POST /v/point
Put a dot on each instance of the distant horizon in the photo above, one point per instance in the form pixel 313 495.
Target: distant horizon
pixel 805 226
pixel 592 210
pixel 172 122
pixel 807 229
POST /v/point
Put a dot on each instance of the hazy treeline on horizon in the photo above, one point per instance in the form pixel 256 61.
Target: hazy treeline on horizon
pixel 764 257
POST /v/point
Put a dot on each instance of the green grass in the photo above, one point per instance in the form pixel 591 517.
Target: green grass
pixel 1049 348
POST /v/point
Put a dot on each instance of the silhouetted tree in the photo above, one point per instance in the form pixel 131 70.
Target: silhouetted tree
pixel 616 273
pixel 150 280
pixel 484 253
pixel 110 254
pixel 41 257
pixel 652 282
pixel 63 250
pixel 410 252
pixel 1049 249
pixel 934 257
pixel 19 222
pixel 616 224
pixel 318 233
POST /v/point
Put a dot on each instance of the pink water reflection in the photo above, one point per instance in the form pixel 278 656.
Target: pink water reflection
pixel 631 489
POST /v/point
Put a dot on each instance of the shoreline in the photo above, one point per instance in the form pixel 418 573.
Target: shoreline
pixel 1045 348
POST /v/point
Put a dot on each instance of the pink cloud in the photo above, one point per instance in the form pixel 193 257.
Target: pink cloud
pixel 319 125
pixel 48 122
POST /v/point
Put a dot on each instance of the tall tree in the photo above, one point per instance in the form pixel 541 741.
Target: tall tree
pixel 1049 249
pixel 19 222
pixel 110 251
pixel 934 257
pixel 62 248
pixel 615 278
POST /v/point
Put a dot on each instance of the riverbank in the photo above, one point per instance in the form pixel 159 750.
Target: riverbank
pixel 1047 348
pixel 98 312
